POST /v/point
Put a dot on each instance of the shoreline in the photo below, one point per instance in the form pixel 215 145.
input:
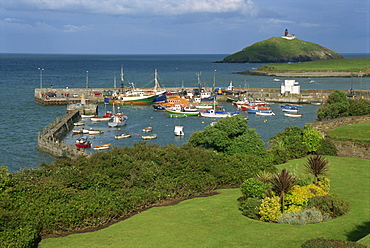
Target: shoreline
pixel 303 74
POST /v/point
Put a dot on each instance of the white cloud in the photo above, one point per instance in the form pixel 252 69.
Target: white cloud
pixel 122 7
pixel 74 28
pixel 11 19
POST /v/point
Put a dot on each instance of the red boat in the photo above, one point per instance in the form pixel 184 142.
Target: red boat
pixel 82 142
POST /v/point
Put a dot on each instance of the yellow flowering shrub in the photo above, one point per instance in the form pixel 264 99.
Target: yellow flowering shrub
pixel 298 196
pixel 324 183
pixel 270 209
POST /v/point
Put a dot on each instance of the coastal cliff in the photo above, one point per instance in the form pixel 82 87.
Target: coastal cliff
pixel 280 50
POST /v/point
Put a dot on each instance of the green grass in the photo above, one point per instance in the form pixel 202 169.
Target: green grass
pixel 216 221
pixel 334 65
pixel 356 132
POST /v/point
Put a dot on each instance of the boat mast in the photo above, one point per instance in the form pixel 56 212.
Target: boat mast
pixel 156 83
pixel 199 83
pixel 122 76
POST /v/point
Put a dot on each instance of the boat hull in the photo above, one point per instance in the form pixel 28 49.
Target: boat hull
pixel 135 100
pixel 182 112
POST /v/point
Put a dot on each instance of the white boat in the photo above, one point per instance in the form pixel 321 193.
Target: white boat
pixel 102 147
pixel 265 113
pixel 293 115
pixel 179 131
pixel 95 131
pixel 123 136
pixel 117 120
pixel 105 117
pixel 149 137
pixel 212 114
pixel 290 110
pixel 87 116
pixel 147 129
pixel 79 123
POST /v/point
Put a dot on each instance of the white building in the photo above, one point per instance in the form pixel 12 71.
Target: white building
pixel 290 87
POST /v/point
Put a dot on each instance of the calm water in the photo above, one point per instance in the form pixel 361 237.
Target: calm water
pixel 22 118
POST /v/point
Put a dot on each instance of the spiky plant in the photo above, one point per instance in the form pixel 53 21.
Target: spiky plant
pixel 282 183
pixel 317 165
pixel 264 176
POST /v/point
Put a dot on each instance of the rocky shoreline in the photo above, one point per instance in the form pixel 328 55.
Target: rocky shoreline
pixel 303 74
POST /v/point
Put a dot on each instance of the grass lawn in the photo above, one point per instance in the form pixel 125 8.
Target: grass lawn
pixel 215 221
pixel 335 65
pixel 356 132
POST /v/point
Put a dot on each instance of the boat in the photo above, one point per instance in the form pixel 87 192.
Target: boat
pixel 255 107
pixel 290 110
pixel 79 123
pixel 255 110
pixel 78 131
pixel 148 129
pixel 213 114
pixel 105 117
pixel 87 116
pixel 102 147
pixel 265 113
pixel 123 136
pixel 82 142
pixel 149 137
pixel 293 115
pixel 158 107
pixel 95 131
pixel 177 115
pixel 179 131
pixel 181 111
pixel 117 120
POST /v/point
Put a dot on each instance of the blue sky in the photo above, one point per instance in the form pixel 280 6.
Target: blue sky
pixel 178 27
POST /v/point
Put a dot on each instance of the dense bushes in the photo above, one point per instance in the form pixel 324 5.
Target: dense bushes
pixel 327 204
pixel 70 195
pixel 330 243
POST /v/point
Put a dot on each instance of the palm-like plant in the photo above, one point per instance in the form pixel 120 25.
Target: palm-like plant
pixel 282 183
pixel 317 165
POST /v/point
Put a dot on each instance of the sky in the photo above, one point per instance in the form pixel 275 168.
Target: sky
pixel 178 26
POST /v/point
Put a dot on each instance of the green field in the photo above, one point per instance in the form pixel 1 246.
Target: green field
pixel 356 132
pixel 216 221
pixel 331 65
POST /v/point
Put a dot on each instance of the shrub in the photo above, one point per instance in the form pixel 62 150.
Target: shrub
pixel 253 188
pixel 299 196
pixel 308 216
pixel 250 208
pixel 327 148
pixel 324 183
pixel 330 205
pixel 330 243
pixel 270 209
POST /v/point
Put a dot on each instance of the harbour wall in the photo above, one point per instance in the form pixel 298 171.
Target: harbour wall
pixel 64 96
pixel 345 148
pixel 49 139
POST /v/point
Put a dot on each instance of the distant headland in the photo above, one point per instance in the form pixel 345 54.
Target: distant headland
pixel 286 48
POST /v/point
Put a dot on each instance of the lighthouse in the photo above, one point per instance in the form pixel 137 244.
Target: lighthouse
pixel 286 32
pixel 288 36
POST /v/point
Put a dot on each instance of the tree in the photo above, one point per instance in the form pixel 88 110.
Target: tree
pixel 282 183
pixel 336 106
pixel 317 165
pixel 230 135
pixel 359 107
pixel 311 138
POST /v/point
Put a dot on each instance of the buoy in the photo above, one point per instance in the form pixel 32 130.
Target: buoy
pixel 265 121
pixel 119 129
pixel 138 134
pixel 151 117
pixel 202 121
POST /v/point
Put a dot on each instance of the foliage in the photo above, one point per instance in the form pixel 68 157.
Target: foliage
pixel 230 136
pixel 307 216
pixel 253 188
pixel 359 107
pixel 324 183
pixel 329 205
pixel 282 183
pixel 287 145
pixel 311 138
pixel 250 207
pixel 298 196
pixel 336 106
pixel 327 148
pixel 330 243
pixel 70 195
pixel 317 165
pixel 270 209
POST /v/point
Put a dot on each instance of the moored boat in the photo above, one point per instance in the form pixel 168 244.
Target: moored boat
pixel 82 142
pixel 117 120
pixel 102 147
pixel 79 123
pixel 213 114
pixel 123 136
pixel 293 115
pixel 176 115
pixel 105 117
pixel 179 131
pixel 95 131
pixel 265 113
pixel 179 111
pixel 149 137
pixel 148 129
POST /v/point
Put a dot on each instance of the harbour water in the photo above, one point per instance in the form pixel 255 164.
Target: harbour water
pixel 22 118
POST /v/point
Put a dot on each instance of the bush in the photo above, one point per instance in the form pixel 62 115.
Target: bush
pixel 330 243
pixel 308 216
pixel 253 188
pixel 299 196
pixel 270 209
pixel 326 204
pixel 327 148
pixel 250 208
pixel 324 183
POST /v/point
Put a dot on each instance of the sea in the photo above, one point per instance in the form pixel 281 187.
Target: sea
pixel 22 118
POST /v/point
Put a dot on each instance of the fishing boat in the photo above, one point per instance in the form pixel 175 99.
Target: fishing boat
pixel 105 117
pixel 177 115
pixel 181 111
pixel 102 147
pixel 123 136
pixel 255 110
pixel 79 123
pixel 265 114
pixel 213 114
pixel 87 116
pixel 293 115
pixel 148 129
pixel 82 142
pixel 149 137
pixel 179 131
